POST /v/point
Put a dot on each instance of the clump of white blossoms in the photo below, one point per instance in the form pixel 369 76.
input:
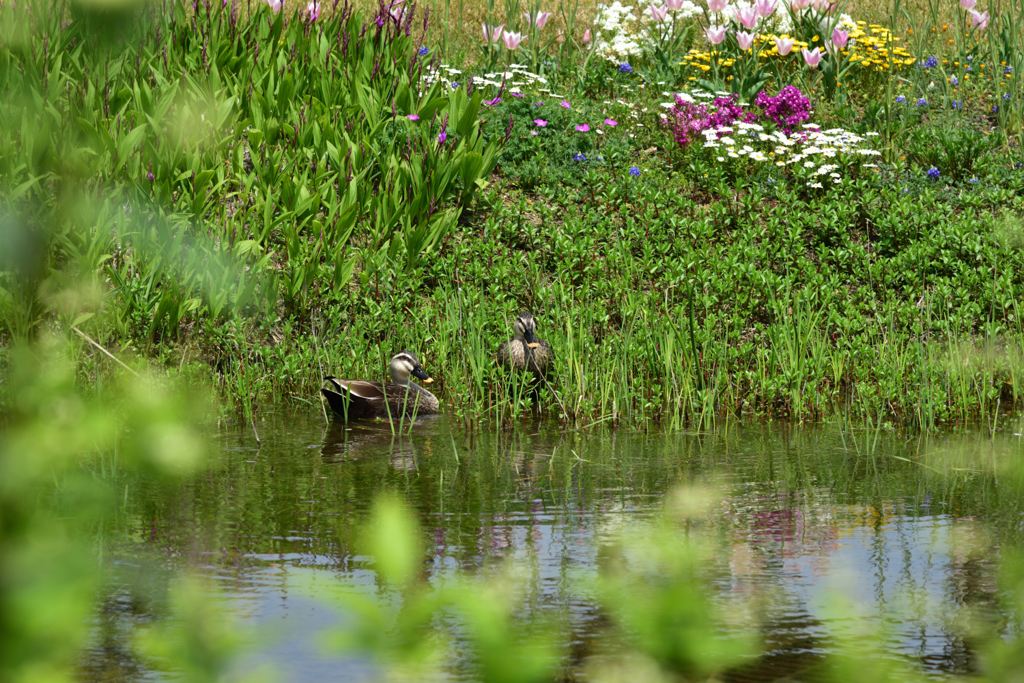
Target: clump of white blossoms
pixel 816 156
pixel 518 79
pixel 619 33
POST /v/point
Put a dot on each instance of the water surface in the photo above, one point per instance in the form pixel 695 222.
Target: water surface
pixel 898 531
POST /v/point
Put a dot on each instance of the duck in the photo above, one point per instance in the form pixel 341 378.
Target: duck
pixel 524 352
pixel 355 399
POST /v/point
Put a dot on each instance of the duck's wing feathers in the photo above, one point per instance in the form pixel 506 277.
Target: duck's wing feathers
pixel 353 398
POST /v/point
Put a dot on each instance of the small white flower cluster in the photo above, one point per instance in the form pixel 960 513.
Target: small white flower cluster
pixel 809 148
pixel 618 34
pixel 516 79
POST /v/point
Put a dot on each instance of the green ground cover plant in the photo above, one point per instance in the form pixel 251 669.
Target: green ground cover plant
pixel 245 199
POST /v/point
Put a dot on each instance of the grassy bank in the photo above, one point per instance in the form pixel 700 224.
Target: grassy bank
pixel 269 199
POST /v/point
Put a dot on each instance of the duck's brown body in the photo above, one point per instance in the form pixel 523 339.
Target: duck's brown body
pixel 517 355
pixel 524 352
pixel 356 399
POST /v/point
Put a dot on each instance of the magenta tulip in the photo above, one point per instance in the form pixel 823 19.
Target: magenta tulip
pixel 586 37
pixel 840 37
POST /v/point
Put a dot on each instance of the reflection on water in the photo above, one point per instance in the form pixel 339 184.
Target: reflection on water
pixel 828 532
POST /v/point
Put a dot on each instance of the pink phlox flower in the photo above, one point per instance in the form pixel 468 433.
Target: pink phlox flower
pixel 540 122
pixel 565 104
pixel 611 122
pixel 583 128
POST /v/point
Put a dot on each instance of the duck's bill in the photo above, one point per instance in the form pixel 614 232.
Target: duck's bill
pixel 419 374
pixel 533 345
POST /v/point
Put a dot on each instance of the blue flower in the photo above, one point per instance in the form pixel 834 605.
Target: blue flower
pixel 972 181
pixel 580 157
pixel 922 102
pixel 1008 70
pixel 933 173
pixel 455 85
pixel 967 69
pixel 995 108
pixel 953 81
pixel 424 51
pixel 1006 96
pixel 634 171
pixel 955 104
pixel 900 99
pixel 625 68
pixel 930 62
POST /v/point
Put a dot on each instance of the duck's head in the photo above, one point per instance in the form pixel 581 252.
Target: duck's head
pixel 405 364
pixel 524 327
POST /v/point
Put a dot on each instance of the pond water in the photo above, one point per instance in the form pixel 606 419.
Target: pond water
pixel 904 533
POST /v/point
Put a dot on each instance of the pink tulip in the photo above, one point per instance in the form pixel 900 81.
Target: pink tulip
pixel 717 5
pixel 275 5
pixel 540 18
pixel 766 8
pixel 979 19
pixel 820 5
pixel 968 4
pixel 800 4
pixel 492 34
pixel 715 34
pixel 659 13
pixel 313 10
pixel 586 37
pixel 747 17
pixel 840 37
pixel 512 40
pixel 812 57
pixel 745 39
pixel 397 10
pixel 784 45
pixel 674 5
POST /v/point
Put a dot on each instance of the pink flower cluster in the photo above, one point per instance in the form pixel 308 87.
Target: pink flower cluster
pixel 691 119
pixel 786 110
